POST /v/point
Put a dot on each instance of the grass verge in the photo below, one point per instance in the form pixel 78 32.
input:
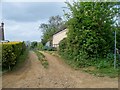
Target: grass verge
pixel 100 72
pixel 42 59
pixel 109 72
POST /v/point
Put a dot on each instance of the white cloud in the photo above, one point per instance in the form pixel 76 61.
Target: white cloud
pixel 1 11
pixel 60 0
pixel 27 11
pixel 17 31
pixel 22 20
pixel 33 0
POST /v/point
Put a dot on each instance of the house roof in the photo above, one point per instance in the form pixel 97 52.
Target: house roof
pixel 61 29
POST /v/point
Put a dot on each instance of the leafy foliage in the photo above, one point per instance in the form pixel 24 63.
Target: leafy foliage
pixel 90 36
pixel 53 25
pixel 33 44
pixel 118 38
pixel 10 52
pixel 62 45
pixel 39 46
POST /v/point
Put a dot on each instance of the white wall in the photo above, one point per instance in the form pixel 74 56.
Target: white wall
pixel 58 37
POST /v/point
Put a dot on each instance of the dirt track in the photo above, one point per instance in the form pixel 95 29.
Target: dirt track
pixel 58 75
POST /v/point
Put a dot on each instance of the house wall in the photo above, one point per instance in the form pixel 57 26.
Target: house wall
pixel 58 37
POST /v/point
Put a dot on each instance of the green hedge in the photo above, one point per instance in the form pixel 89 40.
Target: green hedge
pixel 10 52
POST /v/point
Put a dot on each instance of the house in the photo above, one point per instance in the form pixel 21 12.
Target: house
pixel 58 36
pixel 2 32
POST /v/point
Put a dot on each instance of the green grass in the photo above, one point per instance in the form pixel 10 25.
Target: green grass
pixel 100 72
pixel 42 59
pixel 54 53
pixel 45 63
pixel 109 72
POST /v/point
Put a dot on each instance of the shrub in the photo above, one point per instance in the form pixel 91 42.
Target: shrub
pixel 10 52
pixel 62 45
pixel 89 39
pixel 33 45
pixel 103 64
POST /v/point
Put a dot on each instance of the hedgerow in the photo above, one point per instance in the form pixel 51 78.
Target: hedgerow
pixel 10 52
pixel 90 36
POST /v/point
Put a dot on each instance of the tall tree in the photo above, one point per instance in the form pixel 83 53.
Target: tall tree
pixel 53 25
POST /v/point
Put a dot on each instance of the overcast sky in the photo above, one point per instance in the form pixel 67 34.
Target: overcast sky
pixel 22 19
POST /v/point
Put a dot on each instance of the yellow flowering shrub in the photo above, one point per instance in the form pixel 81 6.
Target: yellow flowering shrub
pixel 10 52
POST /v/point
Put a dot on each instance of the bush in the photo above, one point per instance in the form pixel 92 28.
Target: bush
pixel 103 63
pixel 80 58
pixel 10 52
pixel 62 45
pixel 33 45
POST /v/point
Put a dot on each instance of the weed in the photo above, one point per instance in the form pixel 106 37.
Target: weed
pixel 42 59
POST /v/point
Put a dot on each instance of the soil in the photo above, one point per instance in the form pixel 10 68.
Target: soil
pixel 57 75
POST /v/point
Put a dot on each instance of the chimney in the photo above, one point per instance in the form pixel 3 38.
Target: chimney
pixel 2 25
